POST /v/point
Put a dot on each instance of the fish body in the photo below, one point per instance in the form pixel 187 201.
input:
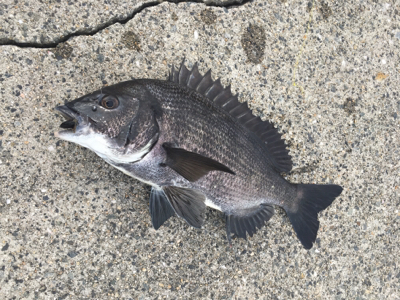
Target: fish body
pixel 197 146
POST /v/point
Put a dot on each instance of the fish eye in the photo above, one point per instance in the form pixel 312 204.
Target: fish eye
pixel 109 102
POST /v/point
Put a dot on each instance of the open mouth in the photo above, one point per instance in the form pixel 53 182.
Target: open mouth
pixel 69 124
pixel 71 116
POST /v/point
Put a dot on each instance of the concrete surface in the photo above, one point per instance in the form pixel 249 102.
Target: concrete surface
pixel 72 227
pixel 35 23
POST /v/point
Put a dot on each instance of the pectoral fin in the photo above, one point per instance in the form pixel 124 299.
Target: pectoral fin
pixel 188 204
pixel 190 165
pixel 160 208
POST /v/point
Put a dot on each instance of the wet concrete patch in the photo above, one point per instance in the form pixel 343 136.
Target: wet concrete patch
pixel 325 10
pixel 62 51
pixel 208 16
pixel 131 40
pixel 253 43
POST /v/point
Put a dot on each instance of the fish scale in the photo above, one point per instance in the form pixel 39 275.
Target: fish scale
pixel 197 146
pixel 234 139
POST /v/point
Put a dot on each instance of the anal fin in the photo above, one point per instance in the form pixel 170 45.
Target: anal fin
pixel 247 221
pixel 160 208
pixel 188 204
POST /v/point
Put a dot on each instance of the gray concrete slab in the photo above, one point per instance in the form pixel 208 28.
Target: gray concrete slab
pixel 44 22
pixel 72 227
pixel 50 22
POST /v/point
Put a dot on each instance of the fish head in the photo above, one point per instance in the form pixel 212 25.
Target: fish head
pixel 116 122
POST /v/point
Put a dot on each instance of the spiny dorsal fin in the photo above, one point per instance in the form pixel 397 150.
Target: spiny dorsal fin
pixel 223 98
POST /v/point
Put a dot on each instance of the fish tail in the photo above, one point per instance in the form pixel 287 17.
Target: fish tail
pixel 303 212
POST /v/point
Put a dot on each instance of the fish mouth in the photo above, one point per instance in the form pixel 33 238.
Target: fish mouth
pixel 72 118
pixel 75 124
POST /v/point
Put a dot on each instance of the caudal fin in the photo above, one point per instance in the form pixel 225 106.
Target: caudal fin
pixel 303 214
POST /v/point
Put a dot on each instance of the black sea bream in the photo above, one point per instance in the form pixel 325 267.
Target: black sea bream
pixel 196 145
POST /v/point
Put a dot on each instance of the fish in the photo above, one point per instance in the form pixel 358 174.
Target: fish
pixel 197 146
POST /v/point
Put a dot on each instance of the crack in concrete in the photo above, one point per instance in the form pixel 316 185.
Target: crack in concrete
pixel 91 32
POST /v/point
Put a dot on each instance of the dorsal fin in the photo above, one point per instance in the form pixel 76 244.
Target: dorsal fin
pixel 222 97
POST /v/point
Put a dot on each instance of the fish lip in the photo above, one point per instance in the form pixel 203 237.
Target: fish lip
pixel 74 120
pixel 67 112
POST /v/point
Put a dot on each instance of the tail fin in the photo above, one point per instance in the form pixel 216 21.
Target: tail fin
pixel 303 214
